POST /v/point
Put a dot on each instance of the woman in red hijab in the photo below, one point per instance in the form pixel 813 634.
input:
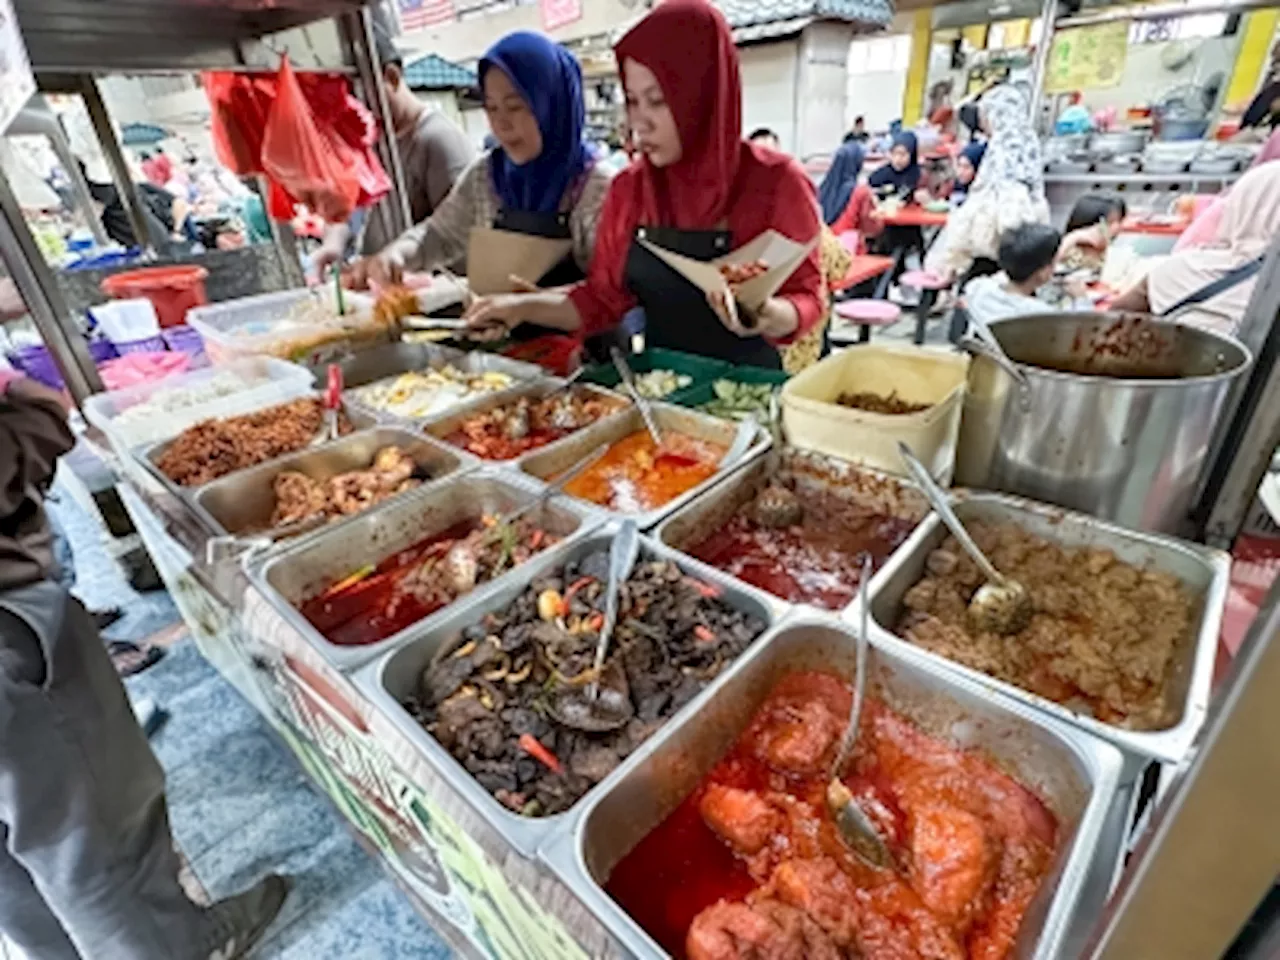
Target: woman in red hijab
pixel 698 189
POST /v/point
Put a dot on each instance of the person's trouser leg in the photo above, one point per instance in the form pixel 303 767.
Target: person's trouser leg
pixel 80 791
pixel 24 916
pixel 63 556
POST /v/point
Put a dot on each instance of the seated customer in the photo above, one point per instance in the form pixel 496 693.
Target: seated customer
pixel 1094 222
pixel 1026 256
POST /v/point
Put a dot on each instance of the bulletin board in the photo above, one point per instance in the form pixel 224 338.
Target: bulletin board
pixel 1086 58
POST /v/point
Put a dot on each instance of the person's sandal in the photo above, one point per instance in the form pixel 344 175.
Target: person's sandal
pixel 130 659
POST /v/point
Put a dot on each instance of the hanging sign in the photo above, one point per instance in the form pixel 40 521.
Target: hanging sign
pixel 560 13
pixel 17 82
pixel 1085 58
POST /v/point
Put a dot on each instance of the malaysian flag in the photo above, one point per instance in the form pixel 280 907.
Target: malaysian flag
pixel 420 14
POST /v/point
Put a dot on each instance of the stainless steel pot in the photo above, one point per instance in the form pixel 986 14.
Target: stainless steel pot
pixel 1105 413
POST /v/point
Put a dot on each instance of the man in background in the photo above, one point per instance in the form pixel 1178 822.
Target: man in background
pixel 433 153
pixel 87 862
pixel 766 138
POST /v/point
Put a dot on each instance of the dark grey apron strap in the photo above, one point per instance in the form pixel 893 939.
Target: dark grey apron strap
pixel 1232 278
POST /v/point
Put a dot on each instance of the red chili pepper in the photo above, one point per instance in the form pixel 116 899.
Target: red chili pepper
pixel 705 589
pixel 530 745
pixel 575 587
pixel 535 540
pixel 704 633
pixel 595 621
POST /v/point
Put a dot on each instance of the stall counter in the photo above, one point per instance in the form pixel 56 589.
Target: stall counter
pixel 477 892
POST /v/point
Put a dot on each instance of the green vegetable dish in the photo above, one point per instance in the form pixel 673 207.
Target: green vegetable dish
pixel 737 401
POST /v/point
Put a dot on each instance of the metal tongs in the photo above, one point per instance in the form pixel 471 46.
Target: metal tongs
pixel 219 548
pixel 855 827
pixel 332 405
pixel 629 381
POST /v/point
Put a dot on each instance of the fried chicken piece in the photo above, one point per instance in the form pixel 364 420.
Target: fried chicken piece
pixel 742 818
pixel 297 498
pixel 799 743
pixel 952 862
pixel 764 930
pixel 393 465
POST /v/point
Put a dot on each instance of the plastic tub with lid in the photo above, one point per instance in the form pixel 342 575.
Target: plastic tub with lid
pixel 174 290
pixel 814 421
pixel 151 412
pixel 279 325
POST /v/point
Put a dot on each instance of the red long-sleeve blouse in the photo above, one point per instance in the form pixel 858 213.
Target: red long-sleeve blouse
pixel 771 192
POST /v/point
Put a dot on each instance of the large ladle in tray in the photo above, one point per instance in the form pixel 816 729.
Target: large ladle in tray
pixel 855 827
pixel 1001 605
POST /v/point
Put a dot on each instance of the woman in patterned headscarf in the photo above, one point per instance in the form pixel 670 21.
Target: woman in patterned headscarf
pixel 1007 192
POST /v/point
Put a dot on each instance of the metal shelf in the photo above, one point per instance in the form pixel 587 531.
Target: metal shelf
pixel 109 36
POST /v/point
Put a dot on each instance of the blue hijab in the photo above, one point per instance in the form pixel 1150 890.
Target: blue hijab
pixel 973 151
pixel 838 185
pixel 549 79
pixel 886 180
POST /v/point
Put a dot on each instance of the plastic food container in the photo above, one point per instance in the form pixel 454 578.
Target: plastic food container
pixel 267 325
pixel 173 290
pixel 700 395
pixel 175 403
pixel 814 421
pixel 702 370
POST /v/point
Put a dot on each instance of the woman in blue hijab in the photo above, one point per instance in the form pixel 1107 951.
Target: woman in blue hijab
pixel 967 164
pixel 901 175
pixel 538 180
pixel 838 185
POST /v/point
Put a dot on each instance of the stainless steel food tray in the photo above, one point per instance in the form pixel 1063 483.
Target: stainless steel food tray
pixel 444 424
pixel 1203 569
pixel 1074 773
pixel 694 522
pixel 243 502
pixel 299 570
pixel 149 455
pixel 397 676
pixel 381 363
pixel 555 458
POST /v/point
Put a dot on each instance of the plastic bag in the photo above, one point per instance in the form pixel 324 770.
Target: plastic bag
pixel 306 159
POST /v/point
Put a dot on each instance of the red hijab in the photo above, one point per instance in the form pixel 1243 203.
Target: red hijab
pixel 689 47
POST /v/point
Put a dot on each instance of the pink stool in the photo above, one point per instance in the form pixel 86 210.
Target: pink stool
pixel 867 314
pixel 928 283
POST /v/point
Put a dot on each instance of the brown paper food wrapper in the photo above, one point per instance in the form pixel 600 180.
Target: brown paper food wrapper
pixel 780 254
pixel 494 256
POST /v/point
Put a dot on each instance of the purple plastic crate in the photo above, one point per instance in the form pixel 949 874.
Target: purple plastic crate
pixel 100 351
pixel 38 364
pixel 148 345
pixel 188 341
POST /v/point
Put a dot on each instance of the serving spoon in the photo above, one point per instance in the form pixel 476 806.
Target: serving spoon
pixel 855 827
pixel 588 709
pixel 1002 604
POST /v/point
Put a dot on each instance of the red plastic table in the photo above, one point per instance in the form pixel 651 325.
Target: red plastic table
pixel 1155 228
pixel 914 216
pixel 864 267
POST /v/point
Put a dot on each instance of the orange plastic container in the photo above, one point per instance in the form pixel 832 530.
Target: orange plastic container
pixel 173 290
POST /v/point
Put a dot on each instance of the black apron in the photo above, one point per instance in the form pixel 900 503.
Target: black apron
pixel 677 315
pixel 551 226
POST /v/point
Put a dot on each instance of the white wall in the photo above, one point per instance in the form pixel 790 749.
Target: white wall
pixel 823 88
pixel 769 89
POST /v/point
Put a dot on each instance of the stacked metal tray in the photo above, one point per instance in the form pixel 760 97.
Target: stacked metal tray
pixel 865 487
pixel 382 363
pixel 1206 571
pixel 395 676
pixel 443 425
pixel 550 461
pixel 1074 773
pixel 293 574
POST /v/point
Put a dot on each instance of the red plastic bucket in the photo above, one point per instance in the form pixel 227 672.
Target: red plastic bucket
pixel 173 290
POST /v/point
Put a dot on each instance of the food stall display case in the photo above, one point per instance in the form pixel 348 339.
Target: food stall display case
pixel 492 885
